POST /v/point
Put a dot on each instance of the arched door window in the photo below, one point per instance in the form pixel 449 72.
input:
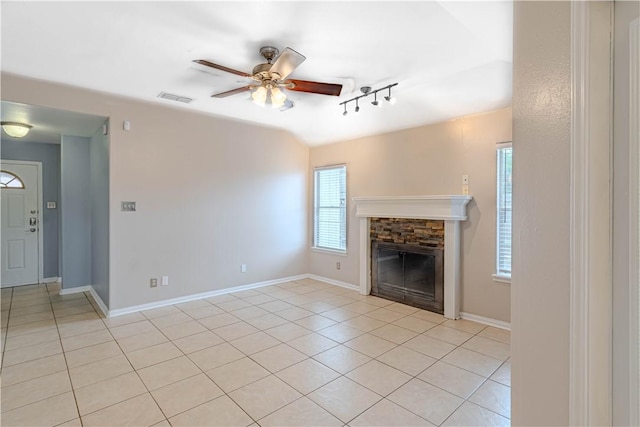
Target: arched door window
pixel 9 180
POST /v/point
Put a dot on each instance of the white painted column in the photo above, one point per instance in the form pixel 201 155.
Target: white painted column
pixel 452 269
pixel 365 257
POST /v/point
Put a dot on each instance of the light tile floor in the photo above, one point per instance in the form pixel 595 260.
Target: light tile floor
pixel 301 353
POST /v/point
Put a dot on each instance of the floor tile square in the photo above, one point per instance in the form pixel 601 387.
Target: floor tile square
pixel 249 312
pixel 303 412
pixel 160 312
pixel 168 372
pixel 315 322
pixel 275 306
pixel 312 344
pixel 52 411
pixel 294 313
pixel 151 355
pixel 197 342
pixel 342 359
pixel 430 346
pixel 185 329
pixel 131 329
pixel 267 321
pixel 279 357
pixel 414 324
pixel 378 377
pixel 344 398
pixel 495 397
pixel 488 347
pixel 146 339
pixel 472 361
pixel 220 412
pixel 385 315
pixel 394 333
pixel 452 379
pixel 307 375
pixel 340 333
pixel 170 320
pixel 236 304
pixel 502 375
pixel 24 393
pixel 14 343
pixel 465 325
pixel 92 354
pixel 235 331
pixel 496 334
pixel 26 354
pixel 30 370
pixel 85 340
pixel 254 343
pixel 215 356
pixel 450 335
pixel 364 323
pixel 387 414
pixel 425 400
pixel 186 394
pixel 218 320
pixel 99 371
pixel 138 411
pixel 237 374
pixel 109 392
pixel 287 331
pixel 202 312
pixel 253 399
pixel 472 415
pixel 370 345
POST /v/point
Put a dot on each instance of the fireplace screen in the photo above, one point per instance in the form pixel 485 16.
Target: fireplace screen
pixel 409 274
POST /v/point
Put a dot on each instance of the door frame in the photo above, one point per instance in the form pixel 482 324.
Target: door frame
pixel 40 213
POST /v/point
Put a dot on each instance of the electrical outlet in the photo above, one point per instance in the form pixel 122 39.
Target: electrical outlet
pixel 243 268
pixel 165 281
pixel 128 206
pixel 153 282
pixel 465 179
pixel 465 190
pixel 337 266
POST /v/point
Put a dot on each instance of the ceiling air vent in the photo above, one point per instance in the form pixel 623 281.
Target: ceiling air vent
pixel 172 97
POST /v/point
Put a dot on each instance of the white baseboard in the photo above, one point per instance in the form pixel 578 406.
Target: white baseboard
pixel 99 301
pixel 187 298
pixel 77 289
pixel 52 280
pixel 486 321
pixel 334 282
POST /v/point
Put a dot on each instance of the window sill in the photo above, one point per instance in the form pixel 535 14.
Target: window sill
pixel 501 279
pixel 329 251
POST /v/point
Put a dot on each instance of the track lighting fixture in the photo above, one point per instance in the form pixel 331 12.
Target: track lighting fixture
pixel 366 91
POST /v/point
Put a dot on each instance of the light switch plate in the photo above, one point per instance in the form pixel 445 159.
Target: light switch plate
pixel 51 205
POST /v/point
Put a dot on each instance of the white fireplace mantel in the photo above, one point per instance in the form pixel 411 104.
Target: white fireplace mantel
pixel 450 208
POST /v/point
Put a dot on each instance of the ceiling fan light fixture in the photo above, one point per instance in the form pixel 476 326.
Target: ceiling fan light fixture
pixel 259 96
pixel 15 129
pixel 277 97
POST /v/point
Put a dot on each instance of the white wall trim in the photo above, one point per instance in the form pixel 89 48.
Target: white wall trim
pixel 634 222
pixel 590 279
pixel 579 188
pixel 187 298
pixel 75 290
pixel 98 300
pixel 486 321
pixel 52 280
pixel 334 282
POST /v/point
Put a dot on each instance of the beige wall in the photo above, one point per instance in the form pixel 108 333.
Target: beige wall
pixel 540 277
pixel 211 195
pixel 428 160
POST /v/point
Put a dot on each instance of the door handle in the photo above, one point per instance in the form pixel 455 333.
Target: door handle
pixel 32 230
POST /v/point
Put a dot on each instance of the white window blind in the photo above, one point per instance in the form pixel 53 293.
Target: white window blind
pixel 330 208
pixel 503 226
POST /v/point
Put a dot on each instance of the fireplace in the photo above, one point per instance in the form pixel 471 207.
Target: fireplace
pixel 448 208
pixel 410 274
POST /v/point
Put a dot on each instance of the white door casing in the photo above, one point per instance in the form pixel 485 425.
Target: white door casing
pixel 21 218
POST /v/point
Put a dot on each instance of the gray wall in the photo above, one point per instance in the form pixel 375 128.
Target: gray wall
pixel 99 169
pixel 76 211
pixel 625 12
pixel 49 155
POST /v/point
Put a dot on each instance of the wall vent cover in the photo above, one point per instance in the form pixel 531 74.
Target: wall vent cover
pixel 172 97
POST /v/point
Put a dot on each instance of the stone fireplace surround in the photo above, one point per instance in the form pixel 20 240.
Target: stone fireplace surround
pixel 450 208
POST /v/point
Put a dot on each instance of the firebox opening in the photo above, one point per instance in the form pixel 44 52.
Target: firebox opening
pixel 409 274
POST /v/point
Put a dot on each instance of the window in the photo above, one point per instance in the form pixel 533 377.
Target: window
pixel 9 180
pixel 503 226
pixel 330 208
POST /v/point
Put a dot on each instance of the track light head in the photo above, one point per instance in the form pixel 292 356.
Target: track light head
pixel 375 99
pixel 357 108
pixel 389 98
pixel 345 109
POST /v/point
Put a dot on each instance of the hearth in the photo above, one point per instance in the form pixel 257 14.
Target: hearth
pixel 409 274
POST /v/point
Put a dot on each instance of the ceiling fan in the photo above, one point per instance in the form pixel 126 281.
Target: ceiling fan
pixel 271 77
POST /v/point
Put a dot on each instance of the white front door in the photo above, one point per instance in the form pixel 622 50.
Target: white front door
pixel 20 225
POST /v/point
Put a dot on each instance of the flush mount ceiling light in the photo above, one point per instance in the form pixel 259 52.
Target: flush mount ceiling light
pixel 366 91
pixel 15 129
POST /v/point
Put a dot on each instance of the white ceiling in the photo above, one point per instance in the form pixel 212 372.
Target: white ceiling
pixel 449 58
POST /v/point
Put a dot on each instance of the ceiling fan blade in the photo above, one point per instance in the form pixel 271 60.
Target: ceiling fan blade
pixel 232 92
pixel 315 87
pixel 220 67
pixel 288 61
